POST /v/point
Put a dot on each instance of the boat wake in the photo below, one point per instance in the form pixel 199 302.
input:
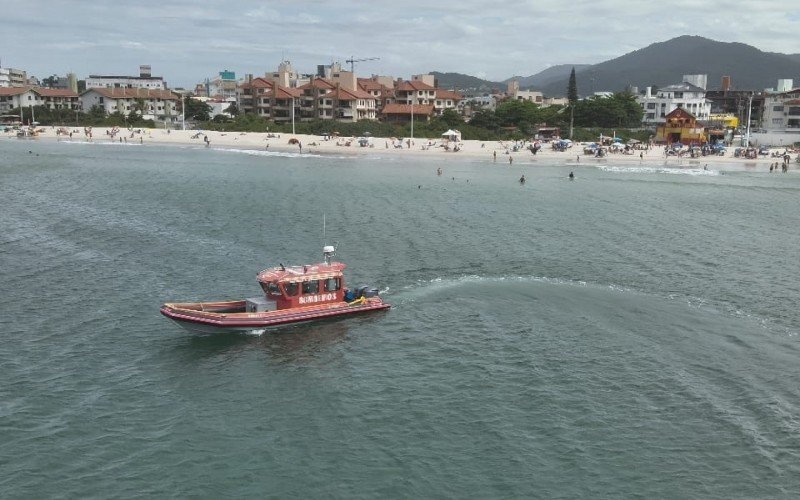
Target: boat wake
pixel 423 289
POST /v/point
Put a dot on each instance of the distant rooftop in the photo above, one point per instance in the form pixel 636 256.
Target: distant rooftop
pixel 128 77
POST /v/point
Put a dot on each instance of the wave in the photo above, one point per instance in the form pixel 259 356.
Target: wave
pixel 258 152
pixel 658 170
pixel 102 143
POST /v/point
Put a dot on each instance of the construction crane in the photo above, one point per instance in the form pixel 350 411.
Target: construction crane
pixel 352 61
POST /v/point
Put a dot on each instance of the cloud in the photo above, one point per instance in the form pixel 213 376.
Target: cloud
pixel 186 41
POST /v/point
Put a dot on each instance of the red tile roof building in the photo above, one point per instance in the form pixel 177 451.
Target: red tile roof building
pixel 319 99
pixel 25 97
pixel 250 92
pixel 154 104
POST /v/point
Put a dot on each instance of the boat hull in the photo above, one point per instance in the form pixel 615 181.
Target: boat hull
pixel 219 317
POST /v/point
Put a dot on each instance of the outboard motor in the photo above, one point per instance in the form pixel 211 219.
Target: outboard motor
pixel 366 291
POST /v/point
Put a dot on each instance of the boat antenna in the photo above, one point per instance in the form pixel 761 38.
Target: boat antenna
pixel 327 250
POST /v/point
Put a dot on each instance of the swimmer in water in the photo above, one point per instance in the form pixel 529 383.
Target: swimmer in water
pixel 571 176
pixel 522 179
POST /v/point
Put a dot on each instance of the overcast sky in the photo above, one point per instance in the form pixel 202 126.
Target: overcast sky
pixel 186 41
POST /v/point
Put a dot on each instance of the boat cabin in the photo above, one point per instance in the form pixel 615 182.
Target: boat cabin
pixel 299 286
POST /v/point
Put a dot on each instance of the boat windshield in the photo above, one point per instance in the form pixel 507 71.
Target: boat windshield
pixel 271 289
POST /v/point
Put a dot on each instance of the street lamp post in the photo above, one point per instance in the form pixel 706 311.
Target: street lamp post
pixel 749 112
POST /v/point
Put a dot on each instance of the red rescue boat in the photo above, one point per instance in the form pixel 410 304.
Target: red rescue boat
pixel 292 294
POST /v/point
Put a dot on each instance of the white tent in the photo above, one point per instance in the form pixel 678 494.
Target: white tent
pixel 452 135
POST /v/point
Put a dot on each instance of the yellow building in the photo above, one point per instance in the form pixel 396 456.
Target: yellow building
pixel 723 121
pixel 680 126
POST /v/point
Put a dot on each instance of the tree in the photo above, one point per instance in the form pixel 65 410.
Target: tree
pixel 572 88
pixel 96 112
pixel 451 118
pixel 197 110
pixel 137 111
pixel 232 110
pixel 572 96
pixel 485 119
pixel 521 114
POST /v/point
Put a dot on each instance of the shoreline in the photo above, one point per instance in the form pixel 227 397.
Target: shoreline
pixel 470 150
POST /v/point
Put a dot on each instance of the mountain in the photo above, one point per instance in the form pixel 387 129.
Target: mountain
pixel 550 75
pixel 664 63
pixel 462 82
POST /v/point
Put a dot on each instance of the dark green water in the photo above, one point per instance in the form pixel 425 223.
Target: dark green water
pixel 631 333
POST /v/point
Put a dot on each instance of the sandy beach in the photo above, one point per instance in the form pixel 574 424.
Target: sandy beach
pixel 500 152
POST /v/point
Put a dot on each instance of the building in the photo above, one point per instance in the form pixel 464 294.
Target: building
pixel 285 76
pixel 61 82
pixel 447 99
pixel 683 95
pixel 782 112
pixel 250 92
pixel 352 105
pixel 316 100
pixel 738 104
pixel 420 93
pixel 680 126
pixel 280 104
pixel 402 113
pixel 10 77
pixel 27 97
pixel 154 104
pixel 218 105
pixel 319 99
pixel 513 92
pixel 144 81
pixel 222 86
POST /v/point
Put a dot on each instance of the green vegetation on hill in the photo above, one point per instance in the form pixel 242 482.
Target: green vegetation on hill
pixel 461 81
pixel 664 63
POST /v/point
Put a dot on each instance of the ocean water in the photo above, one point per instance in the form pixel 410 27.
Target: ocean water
pixel 632 333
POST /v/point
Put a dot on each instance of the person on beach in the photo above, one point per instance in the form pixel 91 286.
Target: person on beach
pixel 510 159
pixel 494 155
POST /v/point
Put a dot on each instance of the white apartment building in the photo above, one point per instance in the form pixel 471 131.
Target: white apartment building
pixel 144 81
pixel 160 105
pixel 10 77
pixel 682 95
pixel 28 97
pixel 782 112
